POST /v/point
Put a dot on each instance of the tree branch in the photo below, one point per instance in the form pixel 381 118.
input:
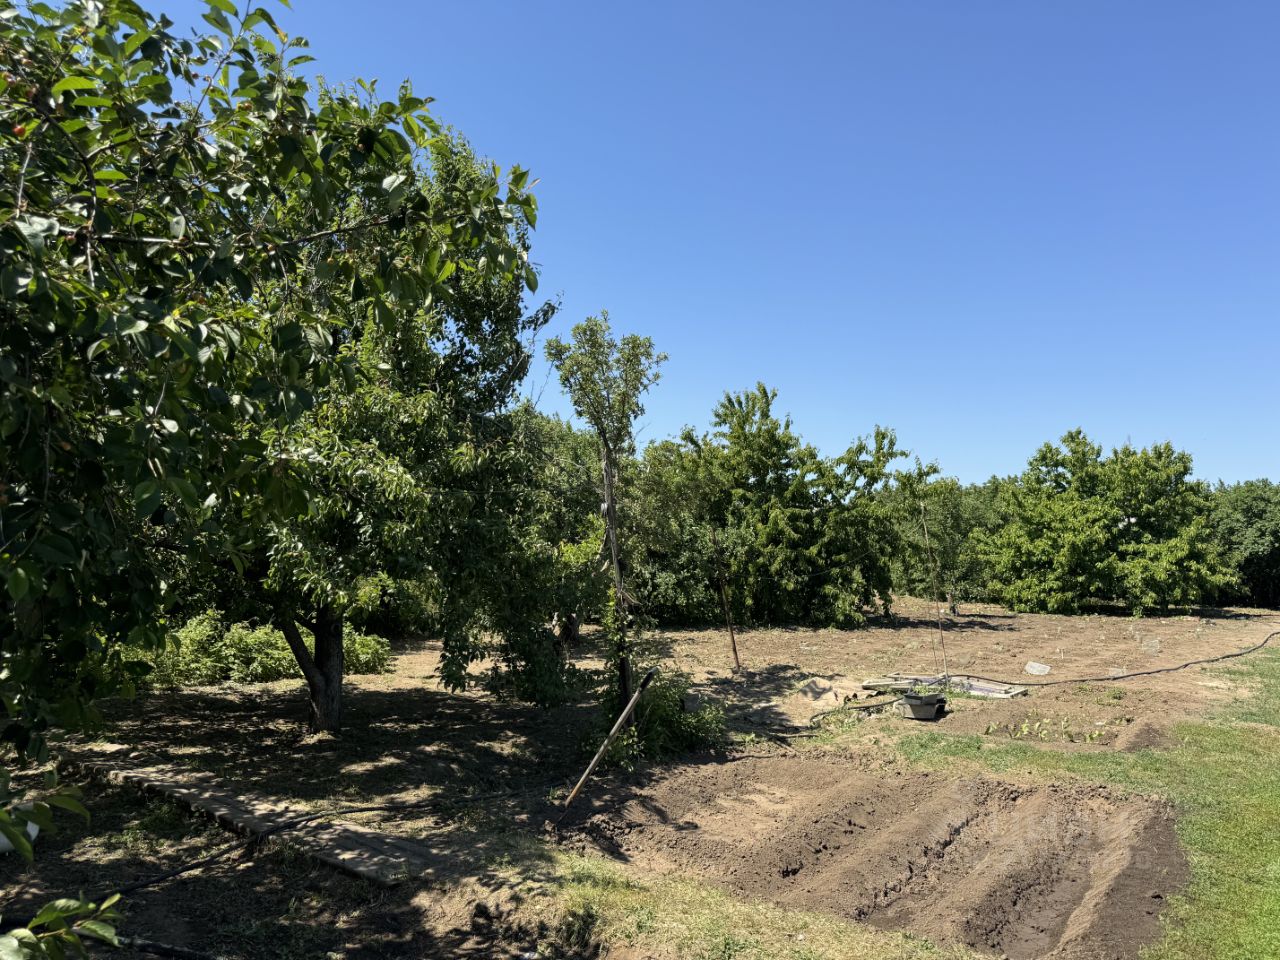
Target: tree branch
pixel 289 627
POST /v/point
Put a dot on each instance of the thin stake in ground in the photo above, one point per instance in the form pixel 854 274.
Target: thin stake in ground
pixel 724 601
pixel 933 573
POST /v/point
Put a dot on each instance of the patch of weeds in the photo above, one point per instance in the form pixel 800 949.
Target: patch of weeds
pixel 830 727
pixel 1045 730
pixel 664 725
pixel 159 824
pixel 930 746
pixel 726 947
pixel 698 922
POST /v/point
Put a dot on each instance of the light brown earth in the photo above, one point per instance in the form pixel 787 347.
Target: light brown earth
pixel 1023 872
pixel 839 823
pixel 987 641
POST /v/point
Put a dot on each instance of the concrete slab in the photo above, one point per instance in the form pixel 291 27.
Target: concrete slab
pixel 381 858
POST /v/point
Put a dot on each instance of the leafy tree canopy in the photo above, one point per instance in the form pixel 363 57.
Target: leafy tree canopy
pixel 1084 529
pixel 799 537
pixel 179 221
pixel 1246 522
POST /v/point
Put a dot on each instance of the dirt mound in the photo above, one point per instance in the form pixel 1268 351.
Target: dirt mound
pixel 1023 872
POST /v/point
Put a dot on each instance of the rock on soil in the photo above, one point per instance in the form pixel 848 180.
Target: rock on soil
pixel 1024 872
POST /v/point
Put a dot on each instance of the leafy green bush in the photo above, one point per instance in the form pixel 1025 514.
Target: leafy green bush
pixel 1246 524
pixel 1085 529
pixel 667 725
pixel 255 655
pixel 190 656
pixel 394 608
pixel 366 653
pixel 206 651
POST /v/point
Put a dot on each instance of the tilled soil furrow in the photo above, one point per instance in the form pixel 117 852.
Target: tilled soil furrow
pixel 1024 872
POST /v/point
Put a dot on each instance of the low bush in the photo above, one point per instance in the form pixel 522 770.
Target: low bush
pixel 206 651
pixel 669 723
pixel 394 608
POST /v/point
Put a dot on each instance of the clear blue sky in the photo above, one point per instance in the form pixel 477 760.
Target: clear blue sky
pixel 980 223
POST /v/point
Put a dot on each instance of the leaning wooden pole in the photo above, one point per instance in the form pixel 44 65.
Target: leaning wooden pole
pixel 937 602
pixel 622 718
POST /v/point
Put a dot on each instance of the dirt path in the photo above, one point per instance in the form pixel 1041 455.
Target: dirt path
pixel 1025 872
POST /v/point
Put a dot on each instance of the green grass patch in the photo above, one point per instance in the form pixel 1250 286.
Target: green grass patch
pixel 604 902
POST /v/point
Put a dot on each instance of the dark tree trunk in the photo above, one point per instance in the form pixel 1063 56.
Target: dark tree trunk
pixel 323 669
pixel 619 589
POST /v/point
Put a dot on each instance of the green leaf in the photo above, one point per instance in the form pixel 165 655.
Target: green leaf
pixel 74 83
pixel 17 837
pixel 69 803
pixel 18 583
pixel 147 496
pixel 98 931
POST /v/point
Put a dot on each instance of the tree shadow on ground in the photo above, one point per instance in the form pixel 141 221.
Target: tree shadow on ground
pixel 396 743
pixel 951 624
pixel 487 768
pixel 752 698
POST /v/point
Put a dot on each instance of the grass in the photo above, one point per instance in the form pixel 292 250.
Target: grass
pixel 1224 778
pixel 693 920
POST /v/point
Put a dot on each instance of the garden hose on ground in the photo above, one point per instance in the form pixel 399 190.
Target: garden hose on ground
pixel 1119 676
pixel 946 679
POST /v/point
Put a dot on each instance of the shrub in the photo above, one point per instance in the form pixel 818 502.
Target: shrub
pixel 394 608
pixel 366 653
pixel 667 725
pixel 205 651
pixel 256 655
pixel 190 654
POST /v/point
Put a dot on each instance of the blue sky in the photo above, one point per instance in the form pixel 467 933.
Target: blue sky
pixel 981 223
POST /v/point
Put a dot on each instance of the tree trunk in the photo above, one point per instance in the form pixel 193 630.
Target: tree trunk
pixel 724 602
pixel 323 669
pixel 619 592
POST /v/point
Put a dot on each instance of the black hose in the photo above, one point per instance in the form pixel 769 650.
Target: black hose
pixel 944 680
pixel 1120 676
pixel 163 949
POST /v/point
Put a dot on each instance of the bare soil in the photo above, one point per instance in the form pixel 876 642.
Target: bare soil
pixel 1015 867
pixel 1024 872
pixel 777 692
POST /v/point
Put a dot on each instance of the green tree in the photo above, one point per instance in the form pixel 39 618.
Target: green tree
pixel 959 516
pixel 1129 528
pixel 1246 524
pixel 605 379
pixel 178 220
pixel 566 514
pixel 802 538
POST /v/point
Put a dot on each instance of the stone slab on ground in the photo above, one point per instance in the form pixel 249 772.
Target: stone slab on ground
pixel 360 851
